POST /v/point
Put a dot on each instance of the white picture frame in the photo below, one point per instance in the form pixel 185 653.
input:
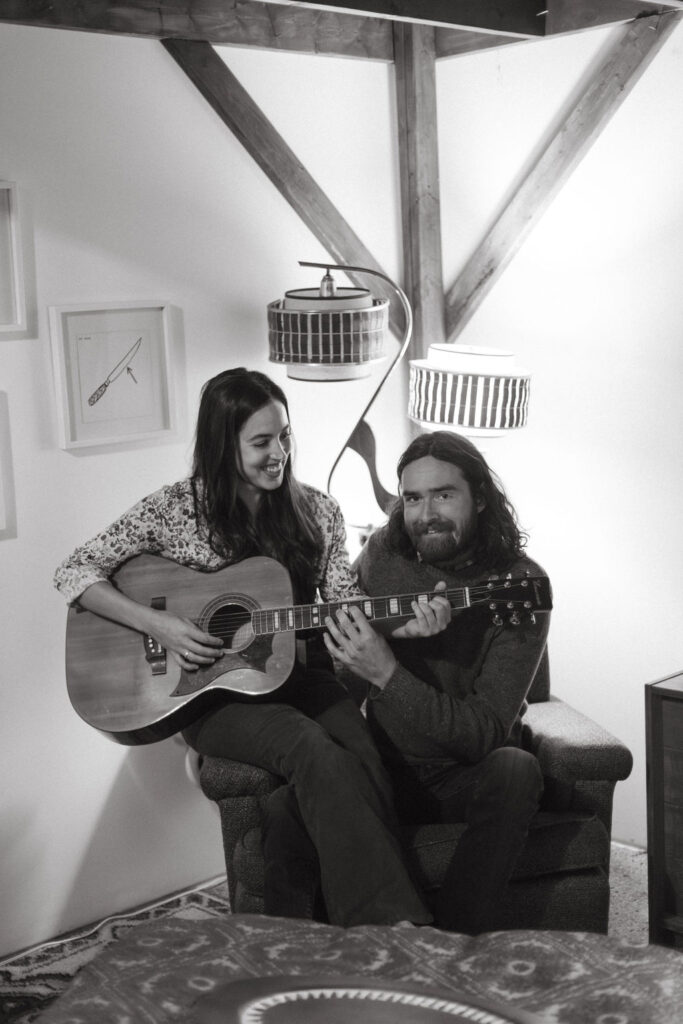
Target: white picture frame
pixel 113 366
pixel 8 510
pixel 12 291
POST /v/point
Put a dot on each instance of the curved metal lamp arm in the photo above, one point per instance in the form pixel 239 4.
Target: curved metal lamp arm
pixel 361 438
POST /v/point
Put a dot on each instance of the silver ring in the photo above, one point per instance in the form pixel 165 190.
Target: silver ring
pixel 186 655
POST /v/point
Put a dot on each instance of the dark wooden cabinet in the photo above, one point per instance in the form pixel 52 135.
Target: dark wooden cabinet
pixel 664 747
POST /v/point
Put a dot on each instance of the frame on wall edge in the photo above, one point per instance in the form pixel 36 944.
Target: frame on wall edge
pixel 12 291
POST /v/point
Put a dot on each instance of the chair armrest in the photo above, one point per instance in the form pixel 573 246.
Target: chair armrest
pixel 569 746
pixel 220 777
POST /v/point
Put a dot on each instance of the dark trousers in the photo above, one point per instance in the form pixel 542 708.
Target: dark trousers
pixel 497 798
pixel 336 809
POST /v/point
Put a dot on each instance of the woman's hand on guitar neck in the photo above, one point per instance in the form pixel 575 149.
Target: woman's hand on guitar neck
pixel 431 617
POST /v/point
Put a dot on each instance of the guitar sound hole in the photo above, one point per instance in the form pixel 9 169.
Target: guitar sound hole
pixel 232 623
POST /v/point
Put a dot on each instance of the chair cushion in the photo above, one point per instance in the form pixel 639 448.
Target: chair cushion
pixel 557 843
pixel 574 901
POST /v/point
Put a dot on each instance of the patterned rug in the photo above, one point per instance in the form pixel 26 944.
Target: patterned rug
pixel 165 971
pixel 33 980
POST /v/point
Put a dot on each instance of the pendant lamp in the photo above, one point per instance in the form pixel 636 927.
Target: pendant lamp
pixel 481 392
pixel 327 333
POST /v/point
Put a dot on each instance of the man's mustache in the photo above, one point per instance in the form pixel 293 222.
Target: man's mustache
pixel 434 527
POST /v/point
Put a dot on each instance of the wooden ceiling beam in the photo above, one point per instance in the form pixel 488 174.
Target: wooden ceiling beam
pixel 522 18
pixel 576 15
pixel 220 22
pixel 610 84
pixel 415 62
pixel 453 42
pixel 333 29
pixel 265 145
pixel 529 19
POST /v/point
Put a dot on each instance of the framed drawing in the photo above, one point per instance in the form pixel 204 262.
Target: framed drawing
pixel 113 373
pixel 12 295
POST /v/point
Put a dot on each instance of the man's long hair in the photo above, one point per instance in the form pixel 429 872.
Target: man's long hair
pixel 283 527
pixel 499 540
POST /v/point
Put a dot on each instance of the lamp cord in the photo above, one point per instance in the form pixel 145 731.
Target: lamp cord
pixel 361 438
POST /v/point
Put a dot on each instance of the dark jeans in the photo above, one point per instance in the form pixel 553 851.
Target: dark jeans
pixel 337 789
pixel 497 798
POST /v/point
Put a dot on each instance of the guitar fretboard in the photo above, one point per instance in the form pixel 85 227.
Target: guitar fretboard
pixel 312 616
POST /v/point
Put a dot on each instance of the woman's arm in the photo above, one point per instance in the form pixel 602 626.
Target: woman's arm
pixel 190 646
pixel 156 524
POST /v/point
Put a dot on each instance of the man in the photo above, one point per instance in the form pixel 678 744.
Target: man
pixel 446 712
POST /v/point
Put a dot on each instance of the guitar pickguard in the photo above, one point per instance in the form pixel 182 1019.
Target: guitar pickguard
pixel 255 655
pixel 258 652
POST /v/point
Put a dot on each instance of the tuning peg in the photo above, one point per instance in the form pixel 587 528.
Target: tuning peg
pixel 515 619
pixel 532 618
pixel 497 621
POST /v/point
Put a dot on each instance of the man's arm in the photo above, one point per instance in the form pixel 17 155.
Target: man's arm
pixel 423 721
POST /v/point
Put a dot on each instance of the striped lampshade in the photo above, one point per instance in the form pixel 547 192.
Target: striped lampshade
pixel 326 337
pixel 475 391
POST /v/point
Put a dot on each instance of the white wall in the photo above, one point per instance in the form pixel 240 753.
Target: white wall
pixel 133 189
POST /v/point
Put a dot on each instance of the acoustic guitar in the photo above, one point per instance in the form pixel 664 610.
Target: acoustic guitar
pixel 122 682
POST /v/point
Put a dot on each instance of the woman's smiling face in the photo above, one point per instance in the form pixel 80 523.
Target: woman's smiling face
pixel 265 442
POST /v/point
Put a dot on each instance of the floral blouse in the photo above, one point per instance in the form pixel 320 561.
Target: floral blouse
pixel 165 523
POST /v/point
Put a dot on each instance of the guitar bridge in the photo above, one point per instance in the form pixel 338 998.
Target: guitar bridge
pixel 155 654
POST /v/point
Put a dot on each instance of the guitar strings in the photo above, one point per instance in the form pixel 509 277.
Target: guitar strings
pixel 362 599
pixel 243 616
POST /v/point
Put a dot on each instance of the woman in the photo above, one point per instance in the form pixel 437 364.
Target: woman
pixel 243 500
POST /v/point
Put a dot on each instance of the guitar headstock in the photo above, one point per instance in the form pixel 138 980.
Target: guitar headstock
pixel 513 599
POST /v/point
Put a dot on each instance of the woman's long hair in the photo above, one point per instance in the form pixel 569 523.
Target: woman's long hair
pixel 499 539
pixel 283 527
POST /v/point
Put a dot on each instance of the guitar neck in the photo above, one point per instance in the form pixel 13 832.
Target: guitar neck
pixel 312 616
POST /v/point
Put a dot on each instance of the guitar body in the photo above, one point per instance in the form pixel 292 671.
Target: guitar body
pixel 121 683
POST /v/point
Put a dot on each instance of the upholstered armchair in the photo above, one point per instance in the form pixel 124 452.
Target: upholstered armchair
pixel 562 878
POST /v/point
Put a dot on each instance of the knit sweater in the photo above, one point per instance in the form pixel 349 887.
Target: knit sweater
pixel 460 694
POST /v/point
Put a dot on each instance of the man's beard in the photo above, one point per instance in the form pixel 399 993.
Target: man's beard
pixel 447 544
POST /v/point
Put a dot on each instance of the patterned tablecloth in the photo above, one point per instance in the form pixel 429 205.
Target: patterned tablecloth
pixel 172 970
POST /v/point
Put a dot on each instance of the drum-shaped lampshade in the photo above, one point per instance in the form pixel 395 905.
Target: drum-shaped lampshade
pixel 333 336
pixel 475 391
